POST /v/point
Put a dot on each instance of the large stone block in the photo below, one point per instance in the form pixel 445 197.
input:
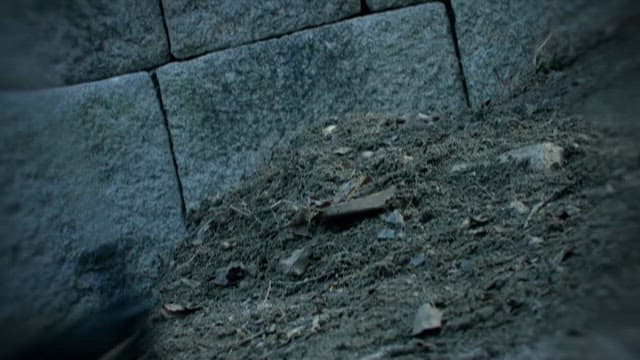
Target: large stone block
pixel 50 43
pixel 197 27
pixel 227 109
pixel 89 198
pixel 376 5
pixel 503 43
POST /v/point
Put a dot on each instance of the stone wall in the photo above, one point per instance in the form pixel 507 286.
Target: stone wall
pixel 228 108
pixel 503 43
pixel 118 117
pixel 89 195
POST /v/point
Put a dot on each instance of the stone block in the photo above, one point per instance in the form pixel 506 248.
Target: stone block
pixel 89 198
pixel 377 5
pixel 51 43
pixel 197 27
pixel 543 156
pixel 226 110
pixel 503 43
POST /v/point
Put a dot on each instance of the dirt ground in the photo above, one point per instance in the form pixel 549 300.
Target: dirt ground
pixel 523 259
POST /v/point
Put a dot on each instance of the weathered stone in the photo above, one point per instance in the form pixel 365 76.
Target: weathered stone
pixel 503 43
pixel 376 5
pixel 89 199
pixel 226 110
pixel 428 318
pixel 197 27
pixel 543 156
pixel 51 43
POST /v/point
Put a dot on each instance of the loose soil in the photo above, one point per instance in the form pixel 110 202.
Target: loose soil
pixel 523 262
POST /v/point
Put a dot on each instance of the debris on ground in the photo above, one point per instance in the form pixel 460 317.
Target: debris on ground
pixel 330 255
pixel 542 156
pixel 358 207
pixel 394 218
pixel 172 309
pixel 230 275
pixel 296 263
pixel 428 320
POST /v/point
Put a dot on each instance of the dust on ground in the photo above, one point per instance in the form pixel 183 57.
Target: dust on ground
pixel 524 259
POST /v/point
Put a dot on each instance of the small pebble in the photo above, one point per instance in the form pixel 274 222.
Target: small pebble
pixel 418 260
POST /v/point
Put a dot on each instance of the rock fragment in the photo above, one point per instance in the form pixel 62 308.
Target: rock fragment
pixel 297 263
pixel 428 320
pixel 543 156
pixel 230 275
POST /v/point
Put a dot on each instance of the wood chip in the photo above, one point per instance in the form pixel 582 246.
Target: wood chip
pixel 366 204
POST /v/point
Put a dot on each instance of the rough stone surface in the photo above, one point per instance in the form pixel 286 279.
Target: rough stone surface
pixel 88 196
pixel 226 110
pixel 542 156
pixel 503 43
pixel 196 27
pixel 50 43
pixel 376 5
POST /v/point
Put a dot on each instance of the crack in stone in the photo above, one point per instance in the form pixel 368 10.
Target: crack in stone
pixel 166 31
pixel 165 119
pixel 452 22
pixel 364 8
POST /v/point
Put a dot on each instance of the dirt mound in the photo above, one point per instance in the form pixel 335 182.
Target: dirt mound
pixel 504 220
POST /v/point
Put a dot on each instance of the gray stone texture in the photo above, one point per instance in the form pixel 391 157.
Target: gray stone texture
pixel 376 5
pixel 226 110
pixel 503 43
pixel 89 199
pixel 197 27
pixel 59 42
